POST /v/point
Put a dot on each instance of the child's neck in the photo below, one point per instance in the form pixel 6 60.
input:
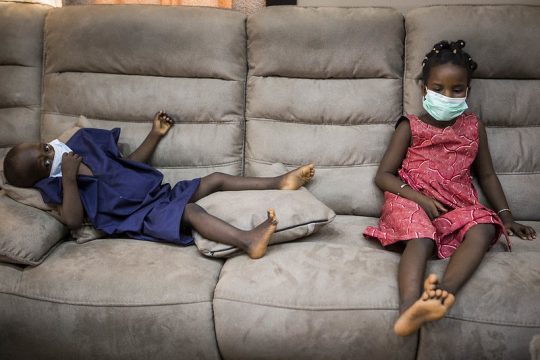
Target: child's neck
pixel 428 119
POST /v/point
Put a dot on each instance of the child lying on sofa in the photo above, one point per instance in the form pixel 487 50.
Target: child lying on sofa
pixel 88 176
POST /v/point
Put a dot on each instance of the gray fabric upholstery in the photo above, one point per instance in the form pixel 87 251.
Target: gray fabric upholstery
pixel 102 300
pixel 319 87
pixel 505 42
pixel 323 85
pixel 27 234
pixel 119 65
pixel 21 31
pixel 496 313
pixel 341 300
pixel 332 295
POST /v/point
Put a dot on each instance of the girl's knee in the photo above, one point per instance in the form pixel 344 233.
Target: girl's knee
pixel 483 233
pixel 190 211
pixel 487 230
pixel 426 243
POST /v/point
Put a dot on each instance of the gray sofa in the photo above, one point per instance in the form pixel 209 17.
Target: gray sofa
pixel 288 85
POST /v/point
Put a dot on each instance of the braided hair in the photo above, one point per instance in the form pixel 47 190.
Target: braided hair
pixel 448 52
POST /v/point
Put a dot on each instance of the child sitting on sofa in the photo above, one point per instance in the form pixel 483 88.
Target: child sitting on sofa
pixel 87 175
pixel 429 198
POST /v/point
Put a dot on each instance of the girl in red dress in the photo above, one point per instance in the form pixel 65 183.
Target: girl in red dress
pixel 430 202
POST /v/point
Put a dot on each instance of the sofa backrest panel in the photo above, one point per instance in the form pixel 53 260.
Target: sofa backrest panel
pixel 505 42
pixel 324 86
pixel 21 48
pixel 119 65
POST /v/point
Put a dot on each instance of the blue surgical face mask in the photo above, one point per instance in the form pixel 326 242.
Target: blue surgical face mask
pixel 59 149
pixel 443 108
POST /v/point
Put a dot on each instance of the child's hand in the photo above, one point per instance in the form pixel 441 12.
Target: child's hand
pixel 523 231
pixel 162 123
pixel 432 207
pixel 70 165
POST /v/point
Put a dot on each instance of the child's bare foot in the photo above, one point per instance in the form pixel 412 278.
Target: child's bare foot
pixel 432 305
pixel 258 238
pixel 430 284
pixel 297 178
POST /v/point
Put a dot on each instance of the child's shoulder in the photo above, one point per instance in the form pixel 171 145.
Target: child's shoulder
pixel 403 121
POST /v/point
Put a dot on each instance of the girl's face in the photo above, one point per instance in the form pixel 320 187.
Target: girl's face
pixel 448 79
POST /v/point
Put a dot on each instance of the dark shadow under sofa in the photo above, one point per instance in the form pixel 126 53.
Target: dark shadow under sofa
pixel 288 85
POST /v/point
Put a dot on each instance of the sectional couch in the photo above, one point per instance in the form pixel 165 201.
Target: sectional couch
pixel 288 85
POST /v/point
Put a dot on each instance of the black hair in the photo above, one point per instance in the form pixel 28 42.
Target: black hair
pixel 13 173
pixel 445 52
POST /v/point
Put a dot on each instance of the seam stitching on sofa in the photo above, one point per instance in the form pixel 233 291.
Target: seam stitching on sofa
pixel 141 75
pixel 274 76
pixel 225 122
pixel 29 106
pixel 308 308
pixel 98 304
pixel 199 166
pixel 20 65
pixel 492 322
pixel 314 124
pixel 318 165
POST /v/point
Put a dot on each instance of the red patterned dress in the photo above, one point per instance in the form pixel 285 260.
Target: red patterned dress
pixel 437 164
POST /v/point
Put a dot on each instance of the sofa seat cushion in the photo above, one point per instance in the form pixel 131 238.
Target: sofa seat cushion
pixel 323 291
pixel 312 299
pixel 131 298
pixel 497 312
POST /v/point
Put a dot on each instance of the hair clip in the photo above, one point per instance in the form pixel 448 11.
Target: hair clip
pixel 454 51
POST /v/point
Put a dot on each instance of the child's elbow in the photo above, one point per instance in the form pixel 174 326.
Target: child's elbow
pixel 378 180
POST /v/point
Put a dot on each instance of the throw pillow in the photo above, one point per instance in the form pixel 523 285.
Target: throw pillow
pixel 27 234
pixel 298 211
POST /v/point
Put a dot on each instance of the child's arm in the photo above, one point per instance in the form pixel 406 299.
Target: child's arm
pixel 491 186
pixel 71 209
pixel 162 124
pixel 387 179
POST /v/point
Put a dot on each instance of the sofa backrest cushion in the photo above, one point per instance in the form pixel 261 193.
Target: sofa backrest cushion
pixel 505 42
pixel 21 48
pixel 119 65
pixel 325 86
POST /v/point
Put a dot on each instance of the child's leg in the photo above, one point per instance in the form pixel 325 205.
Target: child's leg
pixel 223 182
pixel 412 267
pixel 467 257
pixel 434 304
pixel 416 309
pixel 253 242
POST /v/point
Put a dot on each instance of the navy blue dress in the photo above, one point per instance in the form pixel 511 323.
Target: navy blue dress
pixel 124 196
